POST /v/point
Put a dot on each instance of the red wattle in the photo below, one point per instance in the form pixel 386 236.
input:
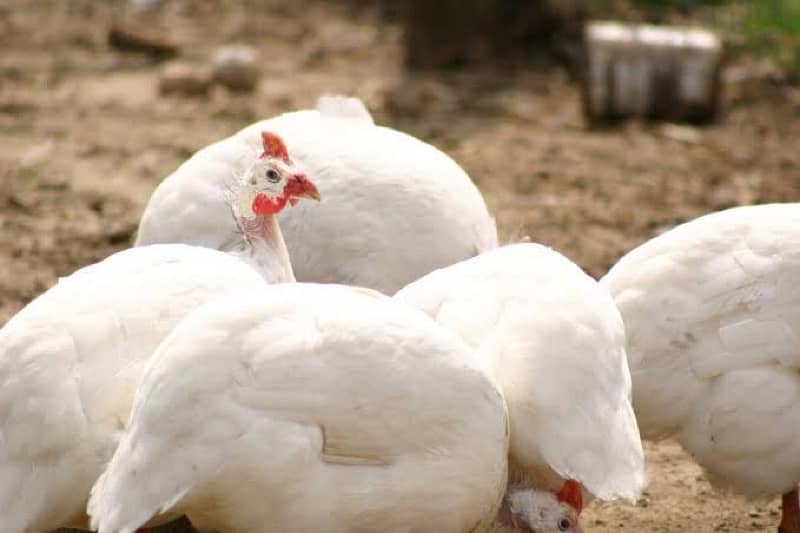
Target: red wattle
pixel 264 205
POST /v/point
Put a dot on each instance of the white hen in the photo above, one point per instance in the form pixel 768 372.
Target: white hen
pixel 712 313
pixel 396 208
pixel 70 360
pixel 305 408
pixel 555 341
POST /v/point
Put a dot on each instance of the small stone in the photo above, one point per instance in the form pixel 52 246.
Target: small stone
pixel 128 39
pixel 683 134
pixel 143 6
pixel 184 79
pixel 37 154
pixel 235 67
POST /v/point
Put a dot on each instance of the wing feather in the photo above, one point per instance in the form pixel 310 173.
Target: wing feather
pixel 555 342
pixel 270 380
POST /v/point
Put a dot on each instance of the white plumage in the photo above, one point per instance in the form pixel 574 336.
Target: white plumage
pixel 70 361
pixel 712 313
pixel 309 408
pixel 555 341
pixel 69 365
pixel 395 207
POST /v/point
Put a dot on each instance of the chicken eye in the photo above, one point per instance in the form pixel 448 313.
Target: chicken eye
pixel 273 176
pixel 564 524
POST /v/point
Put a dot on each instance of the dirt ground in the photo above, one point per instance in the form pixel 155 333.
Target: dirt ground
pixel 85 137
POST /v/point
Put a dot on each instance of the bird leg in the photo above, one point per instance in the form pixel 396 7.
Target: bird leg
pixel 790 515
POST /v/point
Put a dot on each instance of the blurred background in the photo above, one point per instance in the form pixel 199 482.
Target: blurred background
pixel 99 100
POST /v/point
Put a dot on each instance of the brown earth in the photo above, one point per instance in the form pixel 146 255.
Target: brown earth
pixel 85 137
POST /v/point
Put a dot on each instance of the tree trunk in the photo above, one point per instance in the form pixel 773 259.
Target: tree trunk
pixel 444 33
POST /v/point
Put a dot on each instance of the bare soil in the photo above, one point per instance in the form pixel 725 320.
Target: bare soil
pixel 85 137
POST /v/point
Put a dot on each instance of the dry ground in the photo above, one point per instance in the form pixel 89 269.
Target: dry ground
pixel 84 138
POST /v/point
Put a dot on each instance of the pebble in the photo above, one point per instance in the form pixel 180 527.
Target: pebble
pixel 235 67
pixel 184 79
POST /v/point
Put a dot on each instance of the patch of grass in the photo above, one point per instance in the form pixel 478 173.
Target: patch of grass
pixel 29 173
pixel 664 4
pixel 773 27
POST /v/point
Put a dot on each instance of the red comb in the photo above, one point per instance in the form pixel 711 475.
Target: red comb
pixel 273 146
pixel 571 494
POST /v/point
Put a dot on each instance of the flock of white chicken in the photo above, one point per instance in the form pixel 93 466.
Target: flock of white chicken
pixel 193 375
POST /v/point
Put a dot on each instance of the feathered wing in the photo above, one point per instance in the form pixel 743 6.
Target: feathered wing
pixel 712 296
pixel 70 361
pixel 573 404
pixel 23 501
pixel 713 332
pixel 555 342
pixel 253 381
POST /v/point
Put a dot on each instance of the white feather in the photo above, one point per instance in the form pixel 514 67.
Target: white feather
pixel 555 341
pixel 393 208
pixel 712 313
pixel 338 106
pixel 310 408
pixel 69 365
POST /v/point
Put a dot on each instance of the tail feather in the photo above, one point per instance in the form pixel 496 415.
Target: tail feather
pixel 348 107
pixel 487 236
pixel 138 486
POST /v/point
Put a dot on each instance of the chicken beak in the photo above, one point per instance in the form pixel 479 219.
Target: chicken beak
pixel 299 186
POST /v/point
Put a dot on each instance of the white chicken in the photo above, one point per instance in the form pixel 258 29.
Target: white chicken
pixel 305 408
pixel 71 359
pixel 555 342
pixel 712 314
pixel 396 208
